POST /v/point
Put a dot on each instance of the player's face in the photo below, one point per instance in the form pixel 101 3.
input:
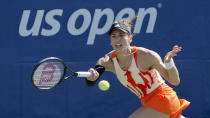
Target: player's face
pixel 119 40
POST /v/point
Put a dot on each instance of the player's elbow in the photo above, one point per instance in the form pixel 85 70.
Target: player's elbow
pixel 175 82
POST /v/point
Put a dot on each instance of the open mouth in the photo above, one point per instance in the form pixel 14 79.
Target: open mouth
pixel 118 45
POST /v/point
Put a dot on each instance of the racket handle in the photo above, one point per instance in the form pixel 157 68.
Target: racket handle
pixel 83 74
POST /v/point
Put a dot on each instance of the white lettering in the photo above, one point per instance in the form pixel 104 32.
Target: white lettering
pixel 52 22
pixel 141 14
pixel 36 26
pixel 123 12
pixel 72 20
pixel 94 29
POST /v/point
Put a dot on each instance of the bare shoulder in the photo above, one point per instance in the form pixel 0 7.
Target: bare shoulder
pixel 109 54
pixel 146 53
pixel 143 51
pixel 147 58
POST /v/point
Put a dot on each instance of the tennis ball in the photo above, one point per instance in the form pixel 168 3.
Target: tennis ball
pixel 103 85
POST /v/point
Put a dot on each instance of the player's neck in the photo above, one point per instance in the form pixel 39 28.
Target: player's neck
pixel 124 54
pixel 125 58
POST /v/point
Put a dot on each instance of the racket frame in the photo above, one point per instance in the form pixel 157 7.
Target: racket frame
pixel 44 60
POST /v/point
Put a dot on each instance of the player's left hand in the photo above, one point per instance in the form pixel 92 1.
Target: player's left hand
pixel 172 53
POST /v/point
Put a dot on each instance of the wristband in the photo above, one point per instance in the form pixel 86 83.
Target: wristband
pixel 170 64
pixel 100 69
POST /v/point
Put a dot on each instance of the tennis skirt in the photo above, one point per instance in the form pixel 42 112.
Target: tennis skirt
pixel 165 100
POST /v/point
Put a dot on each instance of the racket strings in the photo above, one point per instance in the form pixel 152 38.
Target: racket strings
pixel 48 74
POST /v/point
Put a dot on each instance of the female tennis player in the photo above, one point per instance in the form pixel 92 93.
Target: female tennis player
pixel 141 71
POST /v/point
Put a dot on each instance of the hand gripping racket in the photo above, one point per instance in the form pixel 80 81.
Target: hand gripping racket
pixel 51 71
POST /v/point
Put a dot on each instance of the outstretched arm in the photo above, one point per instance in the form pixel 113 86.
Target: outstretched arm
pixel 101 65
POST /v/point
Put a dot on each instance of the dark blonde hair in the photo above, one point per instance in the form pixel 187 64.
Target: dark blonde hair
pixel 124 25
pixel 127 22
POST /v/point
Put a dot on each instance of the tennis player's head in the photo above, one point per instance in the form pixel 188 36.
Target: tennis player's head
pixel 120 34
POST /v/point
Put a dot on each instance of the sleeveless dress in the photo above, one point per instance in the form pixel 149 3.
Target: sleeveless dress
pixel 150 88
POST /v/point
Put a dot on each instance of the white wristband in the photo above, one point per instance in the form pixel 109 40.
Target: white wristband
pixel 170 64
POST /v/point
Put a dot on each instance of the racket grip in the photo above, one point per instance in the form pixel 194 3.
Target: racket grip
pixel 83 74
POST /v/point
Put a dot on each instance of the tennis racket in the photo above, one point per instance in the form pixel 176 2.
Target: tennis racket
pixel 51 71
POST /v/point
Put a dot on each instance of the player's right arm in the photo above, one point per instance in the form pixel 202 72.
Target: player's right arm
pixel 103 64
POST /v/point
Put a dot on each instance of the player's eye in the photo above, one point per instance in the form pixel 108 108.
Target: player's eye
pixel 122 35
pixel 113 36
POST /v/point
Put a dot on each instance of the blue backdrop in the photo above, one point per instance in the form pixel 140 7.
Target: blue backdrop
pixel 76 31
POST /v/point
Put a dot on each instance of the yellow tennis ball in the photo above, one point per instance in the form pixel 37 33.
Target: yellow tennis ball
pixel 103 85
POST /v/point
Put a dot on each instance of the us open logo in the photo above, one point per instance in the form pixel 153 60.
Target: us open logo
pixel 89 21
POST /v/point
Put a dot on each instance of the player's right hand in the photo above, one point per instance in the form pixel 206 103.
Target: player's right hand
pixel 94 75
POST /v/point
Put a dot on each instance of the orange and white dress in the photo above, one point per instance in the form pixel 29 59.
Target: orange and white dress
pixel 150 88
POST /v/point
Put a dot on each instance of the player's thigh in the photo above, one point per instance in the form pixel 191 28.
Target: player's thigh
pixel 145 112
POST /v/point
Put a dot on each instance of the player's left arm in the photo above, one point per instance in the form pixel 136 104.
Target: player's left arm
pixel 167 69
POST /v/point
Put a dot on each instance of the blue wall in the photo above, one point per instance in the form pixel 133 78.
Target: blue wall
pixel 165 23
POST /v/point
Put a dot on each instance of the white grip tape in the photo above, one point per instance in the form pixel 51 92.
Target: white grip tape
pixel 83 74
pixel 170 64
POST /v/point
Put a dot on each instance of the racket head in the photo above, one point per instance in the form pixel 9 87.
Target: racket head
pixel 48 73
